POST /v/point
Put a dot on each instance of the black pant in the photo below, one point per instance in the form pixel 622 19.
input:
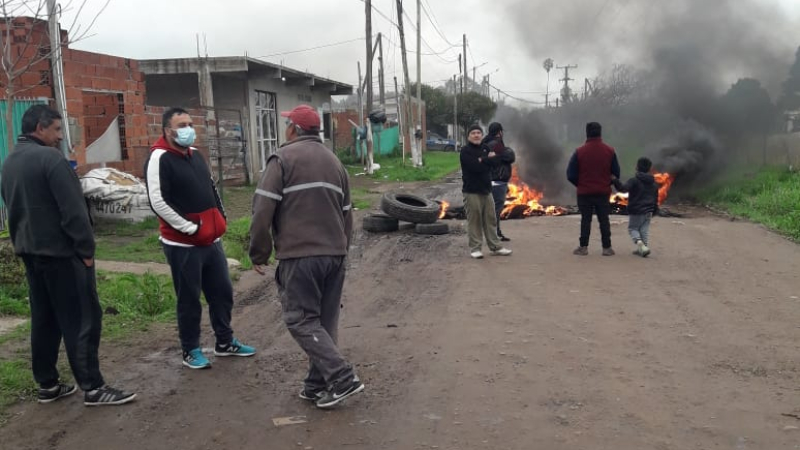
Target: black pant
pixel 64 303
pixel 195 269
pixel 595 204
pixel 499 193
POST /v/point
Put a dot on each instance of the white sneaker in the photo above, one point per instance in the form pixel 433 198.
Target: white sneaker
pixel 502 251
pixel 476 254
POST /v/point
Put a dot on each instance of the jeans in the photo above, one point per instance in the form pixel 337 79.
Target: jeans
pixel 589 205
pixel 639 227
pixel 499 193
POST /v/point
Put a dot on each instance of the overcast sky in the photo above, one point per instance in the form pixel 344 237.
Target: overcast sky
pixel 271 29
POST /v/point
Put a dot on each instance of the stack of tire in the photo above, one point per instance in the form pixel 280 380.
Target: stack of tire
pixel 420 211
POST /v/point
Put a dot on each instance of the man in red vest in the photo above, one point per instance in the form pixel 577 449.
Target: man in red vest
pixel 590 170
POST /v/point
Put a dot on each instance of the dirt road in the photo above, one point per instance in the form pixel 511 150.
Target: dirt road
pixel 695 347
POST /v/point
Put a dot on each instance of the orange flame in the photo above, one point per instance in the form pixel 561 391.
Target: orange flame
pixel 663 179
pixel 443 209
pixel 520 193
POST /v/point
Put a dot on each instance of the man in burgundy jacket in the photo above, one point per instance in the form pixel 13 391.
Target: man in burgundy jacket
pixel 590 170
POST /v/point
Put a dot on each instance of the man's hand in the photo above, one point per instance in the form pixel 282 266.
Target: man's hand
pixel 88 262
pixel 613 177
pixel 260 268
pixel 492 154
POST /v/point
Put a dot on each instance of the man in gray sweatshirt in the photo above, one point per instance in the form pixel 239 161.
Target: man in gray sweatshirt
pixel 50 228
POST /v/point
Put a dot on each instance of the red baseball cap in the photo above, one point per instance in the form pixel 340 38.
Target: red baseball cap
pixel 303 116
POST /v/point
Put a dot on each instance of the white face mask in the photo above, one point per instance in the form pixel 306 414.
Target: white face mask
pixel 185 136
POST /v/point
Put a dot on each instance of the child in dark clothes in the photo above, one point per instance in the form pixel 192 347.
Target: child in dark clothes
pixel 642 192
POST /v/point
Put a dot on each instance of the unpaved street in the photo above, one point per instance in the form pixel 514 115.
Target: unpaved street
pixel 695 347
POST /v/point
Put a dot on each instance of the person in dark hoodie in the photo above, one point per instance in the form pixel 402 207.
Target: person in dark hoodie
pixel 642 192
pixel 589 170
pixel 501 171
pixel 476 164
pixel 51 231
pixel 191 222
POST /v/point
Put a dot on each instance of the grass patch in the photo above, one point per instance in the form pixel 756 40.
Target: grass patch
pixel 435 166
pixel 132 302
pixel 128 241
pixel 362 198
pixel 14 300
pixel 770 197
pixel 16 382
pixel 236 241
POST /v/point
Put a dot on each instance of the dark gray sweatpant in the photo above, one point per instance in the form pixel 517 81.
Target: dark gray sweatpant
pixel 311 290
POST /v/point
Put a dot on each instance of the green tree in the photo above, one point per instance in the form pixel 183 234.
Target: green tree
pixel 474 107
pixel 749 108
pixel 438 109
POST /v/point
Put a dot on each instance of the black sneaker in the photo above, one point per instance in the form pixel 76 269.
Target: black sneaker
pixel 311 395
pixel 504 239
pixel 56 392
pixel 106 395
pixel 340 392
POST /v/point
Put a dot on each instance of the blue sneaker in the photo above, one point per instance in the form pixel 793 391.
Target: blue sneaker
pixel 194 359
pixel 234 348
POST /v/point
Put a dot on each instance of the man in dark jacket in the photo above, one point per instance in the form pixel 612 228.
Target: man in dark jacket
pixel 302 209
pixel 476 164
pixel 642 192
pixel 501 171
pixel 590 169
pixel 51 231
pixel 191 222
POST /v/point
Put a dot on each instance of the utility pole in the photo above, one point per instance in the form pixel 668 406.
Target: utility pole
pixel 399 119
pixel 566 93
pixel 455 110
pixel 466 72
pixel 548 65
pixel 418 161
pixel 370 155
pixel 409 121
pixel 381 74
pixel 360 116
pixel 57 64
pixel 587 88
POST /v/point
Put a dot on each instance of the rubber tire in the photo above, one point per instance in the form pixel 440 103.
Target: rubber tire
pixel 436 228
pixel 410 208
pixel 380 223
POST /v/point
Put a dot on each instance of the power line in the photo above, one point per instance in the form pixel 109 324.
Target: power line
pixel 531 102
pixel 313 48
pixel 433 21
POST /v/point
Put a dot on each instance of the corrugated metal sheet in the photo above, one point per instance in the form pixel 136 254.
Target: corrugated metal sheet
pixel 20 106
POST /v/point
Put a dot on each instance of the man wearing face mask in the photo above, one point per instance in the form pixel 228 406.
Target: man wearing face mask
pixel 191 222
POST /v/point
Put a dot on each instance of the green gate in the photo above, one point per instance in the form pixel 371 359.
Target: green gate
pixel 20 106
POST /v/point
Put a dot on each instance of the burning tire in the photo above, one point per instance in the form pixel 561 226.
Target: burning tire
pixel 432 228
pixel 410 208
pixel 380 223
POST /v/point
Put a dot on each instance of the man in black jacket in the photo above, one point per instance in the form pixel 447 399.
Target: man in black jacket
pixel 51 230
pixel 501 172
pixel 476 163
pixel 642 192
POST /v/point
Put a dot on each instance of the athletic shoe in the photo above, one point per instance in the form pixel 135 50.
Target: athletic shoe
pixel 235 348
pixel 503 238
pixel 476 254
pixel 581 251
pixel 645 251
pixel 339 392
pixel 502 251
pixel 56 392
pixel 608 251
pixel 311 395
pixel 106 395
pixel 194 359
